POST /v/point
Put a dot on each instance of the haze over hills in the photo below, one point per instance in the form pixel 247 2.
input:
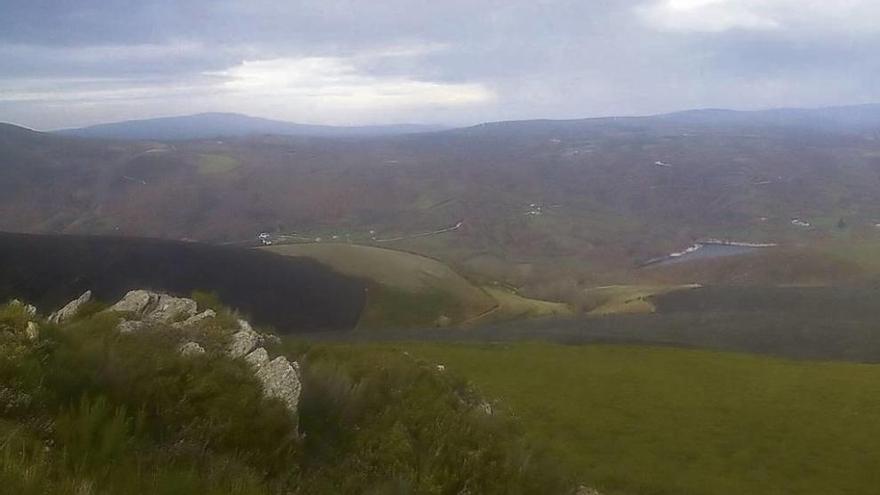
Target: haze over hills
pixel 854 118
pixel 212 125
pixel 541 204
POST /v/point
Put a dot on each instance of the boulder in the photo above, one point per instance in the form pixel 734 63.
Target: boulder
pixel 70 309
pixel 190 349
pixel 136 302
pixel 280 380
pixel 155 307
pixel 170 309
pixel 257 358
pixel 243 342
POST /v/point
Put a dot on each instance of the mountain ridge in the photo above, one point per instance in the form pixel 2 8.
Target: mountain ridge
pixel 225 124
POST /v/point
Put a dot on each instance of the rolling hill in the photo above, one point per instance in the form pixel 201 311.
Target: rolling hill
pixel 415 291
pixel 548 207
pixel 291 294
pixel 222 125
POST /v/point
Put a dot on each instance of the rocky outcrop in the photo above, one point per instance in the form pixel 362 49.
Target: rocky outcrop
pixel 29 310
pixel 245 340
pixel 257 358
pixel 70 309
pixel 155 307
pixel 280 379
pixel 143 307
pixel 585 490
pixel 136 302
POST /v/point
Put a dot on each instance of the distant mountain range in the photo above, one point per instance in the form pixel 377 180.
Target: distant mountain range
pixel 840 119
pixel 578 200
pixel 853 118
pixel 213 125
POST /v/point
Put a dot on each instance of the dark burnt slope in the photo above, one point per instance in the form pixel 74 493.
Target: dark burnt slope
pixel 290 294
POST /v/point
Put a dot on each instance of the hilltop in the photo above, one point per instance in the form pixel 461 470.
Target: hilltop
pixel 225 125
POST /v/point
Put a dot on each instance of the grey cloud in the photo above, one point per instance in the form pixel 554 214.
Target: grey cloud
pixel 547 59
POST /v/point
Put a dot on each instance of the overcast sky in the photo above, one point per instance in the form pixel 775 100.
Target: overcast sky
pixel 71 63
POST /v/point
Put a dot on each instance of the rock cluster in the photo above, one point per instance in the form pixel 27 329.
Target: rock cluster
pixel 279 377
pixel 156 308
pixel 31 330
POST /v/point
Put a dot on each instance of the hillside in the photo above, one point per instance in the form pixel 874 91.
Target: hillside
pixel 87 407
pixel 548 207
pixel 226 125
pixel 647 420
pixel 415 291
pixel 291 294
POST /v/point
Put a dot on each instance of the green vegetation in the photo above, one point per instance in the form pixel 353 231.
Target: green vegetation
pixel 86 410
pixel 512 306
pixel 417 291
pixel 639 420
pixel 210 164
pixel 394 308
pixel 625 299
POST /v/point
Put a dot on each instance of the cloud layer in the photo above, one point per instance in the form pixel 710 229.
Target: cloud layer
pixel 453 62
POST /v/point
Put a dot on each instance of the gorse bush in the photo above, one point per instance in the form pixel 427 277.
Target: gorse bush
pixel 87 410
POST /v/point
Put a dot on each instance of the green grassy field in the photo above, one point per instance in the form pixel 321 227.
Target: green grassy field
pixel 417 291
pixel 626 299
pixel 641 420
pixel 217 164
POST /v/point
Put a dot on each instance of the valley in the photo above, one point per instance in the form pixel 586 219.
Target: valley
pixel 658 304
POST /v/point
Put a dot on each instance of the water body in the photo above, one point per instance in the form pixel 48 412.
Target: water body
pixel 707 250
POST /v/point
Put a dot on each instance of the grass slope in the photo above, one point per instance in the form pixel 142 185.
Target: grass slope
pixel 414 290
pixel 626 299
pixel 641 420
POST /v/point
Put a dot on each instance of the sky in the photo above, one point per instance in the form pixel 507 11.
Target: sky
pixel 453 62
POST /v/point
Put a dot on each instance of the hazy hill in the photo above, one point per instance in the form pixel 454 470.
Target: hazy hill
pixel 545 205
pixel 214 125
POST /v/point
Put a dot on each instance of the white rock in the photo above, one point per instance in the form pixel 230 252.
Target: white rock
pixel 70 309
pixel 280 380
pixel 151 306
pixel 32 332
pixel 169 308
pixel 257 358
pixel 243 342
pixel 136 302
pixel 191 349
pixel 29 309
